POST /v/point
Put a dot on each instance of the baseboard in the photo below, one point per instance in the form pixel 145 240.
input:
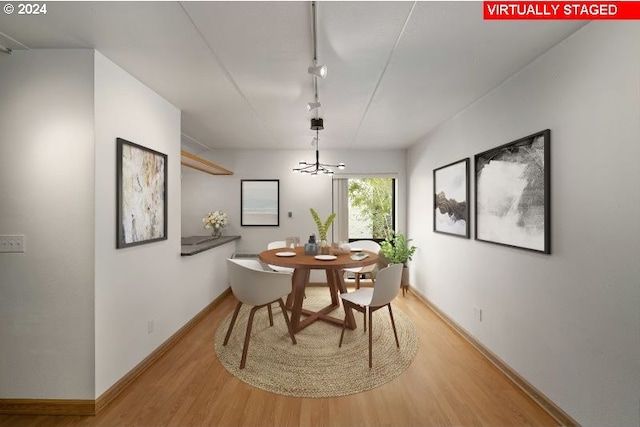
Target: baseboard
pixel 113 392
pixel 543 401
pixel 47 407
pixel 92 407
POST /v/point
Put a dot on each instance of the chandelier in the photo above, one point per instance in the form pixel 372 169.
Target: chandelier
pixel 316 167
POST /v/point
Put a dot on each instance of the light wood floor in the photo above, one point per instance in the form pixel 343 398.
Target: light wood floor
pixel 448 384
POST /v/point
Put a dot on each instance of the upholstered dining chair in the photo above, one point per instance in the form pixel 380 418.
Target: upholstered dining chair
pixel 275 245
pixel 367 270
pixel 252 285
pixel 368 300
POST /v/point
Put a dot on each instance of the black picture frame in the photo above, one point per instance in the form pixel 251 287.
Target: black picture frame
pixel 451 199
pixel 260 202
pixel 141 193
pixel 513 194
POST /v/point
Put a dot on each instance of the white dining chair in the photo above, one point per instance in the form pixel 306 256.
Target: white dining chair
pixel 368 300
pixel 275 245
pixel 252 285
pixel 367 270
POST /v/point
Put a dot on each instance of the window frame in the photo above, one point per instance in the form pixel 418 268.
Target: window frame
pixel 394 199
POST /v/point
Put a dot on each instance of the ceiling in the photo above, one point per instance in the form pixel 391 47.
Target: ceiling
pixel 238 70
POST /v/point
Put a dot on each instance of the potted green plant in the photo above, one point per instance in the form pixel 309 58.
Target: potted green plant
pixel 323 227
pixel 396 250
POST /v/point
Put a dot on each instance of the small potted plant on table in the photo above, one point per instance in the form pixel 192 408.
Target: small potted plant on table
pixel 323 227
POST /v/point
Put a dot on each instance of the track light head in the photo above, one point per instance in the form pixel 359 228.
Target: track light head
pixel 318 70
pixel 317 124
pixel 313 105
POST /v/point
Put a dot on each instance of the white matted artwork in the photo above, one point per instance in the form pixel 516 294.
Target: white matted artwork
pixel 141 189
pixel 260 202
pixel 512 194
pixel 451 199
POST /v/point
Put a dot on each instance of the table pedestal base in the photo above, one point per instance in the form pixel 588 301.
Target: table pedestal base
pixel 295 299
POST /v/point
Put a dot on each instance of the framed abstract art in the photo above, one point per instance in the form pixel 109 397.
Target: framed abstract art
pixel 260 202
pixel 512 194
pixel 141 191
pixel 451 199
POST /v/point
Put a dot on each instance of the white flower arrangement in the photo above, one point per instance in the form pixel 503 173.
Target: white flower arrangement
pixel 215 220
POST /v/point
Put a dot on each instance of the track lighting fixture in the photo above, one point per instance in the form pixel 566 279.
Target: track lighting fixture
pixel 315 168
pixel 318 70
pixel 317 124
pixel 313 105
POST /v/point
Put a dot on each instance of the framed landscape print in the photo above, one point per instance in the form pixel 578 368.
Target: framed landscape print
pixel 512 194
pixel 451 199
pixel 260 202
pixel 141 191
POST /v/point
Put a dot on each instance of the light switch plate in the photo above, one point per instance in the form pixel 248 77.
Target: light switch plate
pixel 12 244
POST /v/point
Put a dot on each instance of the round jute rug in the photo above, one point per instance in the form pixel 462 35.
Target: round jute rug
pixel 316 366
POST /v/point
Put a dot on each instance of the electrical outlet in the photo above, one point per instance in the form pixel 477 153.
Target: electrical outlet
pixel 13 244
pixel 477 313
pixel 150 326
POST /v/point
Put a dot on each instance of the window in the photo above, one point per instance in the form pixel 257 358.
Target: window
pixel 365 208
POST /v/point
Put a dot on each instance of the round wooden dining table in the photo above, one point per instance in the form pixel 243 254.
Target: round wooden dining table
pixel 302 265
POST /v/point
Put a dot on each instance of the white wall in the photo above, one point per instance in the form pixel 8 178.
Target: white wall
pixel 568 322
pixel 46 193
pixel 202 193
pixel 73 309
pixel 148 282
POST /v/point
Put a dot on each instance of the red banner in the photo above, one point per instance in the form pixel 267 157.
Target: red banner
pixel 585 10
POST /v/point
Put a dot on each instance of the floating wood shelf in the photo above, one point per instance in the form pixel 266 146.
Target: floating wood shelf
pixel 195 162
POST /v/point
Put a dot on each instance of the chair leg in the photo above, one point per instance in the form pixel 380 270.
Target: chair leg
pixel 370 339
pixel 345 305
pixel 233 322
pixel 286 319
pixel 364 315
pixel 344 325
pixel 245 348
pixel 394 326
pixel 270 314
